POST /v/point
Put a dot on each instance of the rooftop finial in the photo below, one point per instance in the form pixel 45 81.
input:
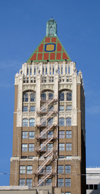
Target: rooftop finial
pixel 51 28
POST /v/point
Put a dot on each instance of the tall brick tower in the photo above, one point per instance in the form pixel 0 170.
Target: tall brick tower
pixel 49 119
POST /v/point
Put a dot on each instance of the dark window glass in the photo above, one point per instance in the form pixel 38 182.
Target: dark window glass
pixel 29 182
pixel 31 147
pixel 60 168
pixel 50 96
pixel 21 182
pixel 25 122
pixel 31 135
pixel 32 97
pixel 61 96
pixel 32 108
pixel 43 96
pixel 68 134
pixel 68 121
pixel 25 97
pixel 61 134
pixel 48 181
pixel 61 122
pixel 32 122
pixel 67 168
pixel 50 121
pixel 69 96
pixel 24 134
pixel 67 182
pixel 25 108
pixel 60 182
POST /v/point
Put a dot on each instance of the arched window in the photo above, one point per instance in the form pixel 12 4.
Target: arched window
pixel 43 96
pixel 25 122
pixel 50 96
pixel 32 122
pixel 25 97
pixel 68 121
pixel 61 122
pixel 61 96
pixel 69 96
pixel 32 99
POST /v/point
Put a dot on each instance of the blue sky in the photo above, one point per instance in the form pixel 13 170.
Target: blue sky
pixel 22 27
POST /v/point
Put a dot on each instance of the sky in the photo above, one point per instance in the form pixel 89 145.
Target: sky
pixel 22 28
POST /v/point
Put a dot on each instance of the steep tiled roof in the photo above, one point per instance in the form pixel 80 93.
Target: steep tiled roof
pixel 49 49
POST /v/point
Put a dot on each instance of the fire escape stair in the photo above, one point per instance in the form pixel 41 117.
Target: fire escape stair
pixel 44 163
pixel 44 144
pixel 43 179
pixel 44 131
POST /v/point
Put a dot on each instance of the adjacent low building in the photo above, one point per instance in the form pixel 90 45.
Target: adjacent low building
pixel 93 180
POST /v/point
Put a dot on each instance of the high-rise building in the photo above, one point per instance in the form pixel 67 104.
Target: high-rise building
pixel 49 119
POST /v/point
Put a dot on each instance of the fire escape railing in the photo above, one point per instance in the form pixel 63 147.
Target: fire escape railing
pixel 48 156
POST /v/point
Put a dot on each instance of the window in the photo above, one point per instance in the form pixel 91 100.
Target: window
pixel 67 182
pixel 30 70
pixel 27 71
pixel 49 146
pixel 50 96
pixel 31 134
pixel 31 147
pixel 25 108
pixel 50 121
pixel 42 170
pixel 25 122
pixel 68 146
pixel 53 70
pixel 31 157
pixel 61 108
pixel 23 157
pixel 43 96
pixel 46 71
pixel 61 96
pixel 61 146
pixel 44 135
pixel 48 169
pixel 43 70
pixel 25 97
pixel 41 183
pixel 29 182
pixel 24 147
pixel 48 181
pixel 60 168
pixel 24 134
pixel 21 182
pixel 69 108
pixel 68 121
pixel 66 69
pixel 61 156
pixel 32 99
pixel 50 134
pixel 29 169
pixel 61 69
pixel 68 134
pixel 32 122
pixel 50 108
pixel 69 96
pixel 34 70
pixel 67 193
pixel 61 122
pixel 22 169
pixel 68 157
pixel 61 134
pixel 32 108
pixel 60 182
pixel 67 168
